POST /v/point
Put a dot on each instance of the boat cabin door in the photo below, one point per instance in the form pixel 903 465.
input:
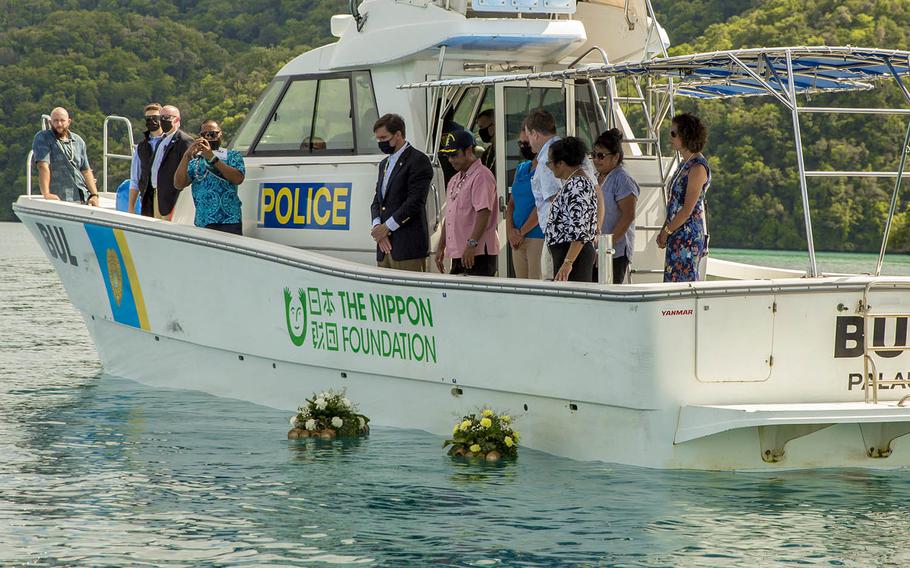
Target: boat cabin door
pixel 513 102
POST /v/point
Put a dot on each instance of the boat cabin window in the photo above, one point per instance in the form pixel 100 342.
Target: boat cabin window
pixel 253 123
pixel 367 112
pixel 465 109
pixel 519 101
pixel 588 125
pixel 316 115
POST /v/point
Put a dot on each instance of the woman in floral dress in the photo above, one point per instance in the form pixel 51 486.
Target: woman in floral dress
pixel 683 233
pixel 572 225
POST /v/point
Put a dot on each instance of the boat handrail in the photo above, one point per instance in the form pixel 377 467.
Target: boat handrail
pixel 871 380
pixel 45 125
pixel 435 191
pixel 107 155
pixel 28 172
pixel 605 252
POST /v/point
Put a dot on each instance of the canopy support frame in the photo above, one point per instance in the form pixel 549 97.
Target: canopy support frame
pixel 801 164
pixel 900 176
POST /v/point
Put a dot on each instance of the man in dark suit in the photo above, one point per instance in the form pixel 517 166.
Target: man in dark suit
pixel 399 204
pixel 160 201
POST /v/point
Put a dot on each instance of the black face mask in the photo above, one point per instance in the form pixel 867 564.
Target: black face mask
pixel 385 146
pixel 166 124
pixel 526 152
pixel 152 123
pixel 214 144
pixel 485 134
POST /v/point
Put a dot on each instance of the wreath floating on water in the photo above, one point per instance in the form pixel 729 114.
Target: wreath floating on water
pixel 328 415
pixel 490 436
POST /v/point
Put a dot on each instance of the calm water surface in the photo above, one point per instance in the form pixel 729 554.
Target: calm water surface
pixel 101 471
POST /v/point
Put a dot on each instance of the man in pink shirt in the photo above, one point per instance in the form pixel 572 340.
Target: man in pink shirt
pixel 469 235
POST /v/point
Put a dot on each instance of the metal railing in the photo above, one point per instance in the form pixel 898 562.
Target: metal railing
pixel 107 154
pixel 45 125
pixel 871 380
pixel 605 252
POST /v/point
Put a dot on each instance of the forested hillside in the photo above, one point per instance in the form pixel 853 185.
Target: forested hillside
pixel 102 57
pixel 754 199
pixel 213 58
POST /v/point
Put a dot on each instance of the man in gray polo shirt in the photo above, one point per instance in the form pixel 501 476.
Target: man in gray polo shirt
pixel 63 169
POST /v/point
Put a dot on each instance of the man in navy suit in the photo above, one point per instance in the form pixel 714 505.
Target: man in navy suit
pixel 399 204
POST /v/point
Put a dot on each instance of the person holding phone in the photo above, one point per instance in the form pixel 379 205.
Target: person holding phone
pixel 214 173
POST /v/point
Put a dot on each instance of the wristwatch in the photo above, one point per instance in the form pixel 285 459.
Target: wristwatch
pixel 214 161
pixel 472 243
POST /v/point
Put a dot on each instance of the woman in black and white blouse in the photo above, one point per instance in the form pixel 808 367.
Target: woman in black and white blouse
pixel 572 225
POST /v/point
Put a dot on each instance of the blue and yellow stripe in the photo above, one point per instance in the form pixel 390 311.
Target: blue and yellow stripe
pixel 121 280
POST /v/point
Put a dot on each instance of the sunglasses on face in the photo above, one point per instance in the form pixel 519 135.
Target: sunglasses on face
pixel 210 134
pixel 600 155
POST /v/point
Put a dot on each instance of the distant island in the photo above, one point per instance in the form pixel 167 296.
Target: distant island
pixel 214 59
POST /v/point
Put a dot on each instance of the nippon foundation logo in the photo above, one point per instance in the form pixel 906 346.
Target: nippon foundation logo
pixel 295 315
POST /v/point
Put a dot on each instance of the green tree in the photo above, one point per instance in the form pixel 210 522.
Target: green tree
pixel 755 198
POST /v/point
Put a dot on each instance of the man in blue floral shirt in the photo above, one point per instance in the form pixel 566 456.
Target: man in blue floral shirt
pixel 215 174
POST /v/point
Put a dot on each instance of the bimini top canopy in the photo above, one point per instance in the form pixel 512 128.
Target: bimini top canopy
pixel 736 73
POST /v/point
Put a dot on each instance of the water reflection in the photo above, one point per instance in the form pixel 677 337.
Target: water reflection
pixel 96 470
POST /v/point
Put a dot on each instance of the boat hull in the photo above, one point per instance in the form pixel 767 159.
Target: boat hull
pixel 588 372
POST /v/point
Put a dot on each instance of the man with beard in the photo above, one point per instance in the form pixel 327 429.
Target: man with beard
pixel 486 129
pixel 160 201
pixel 141 167
pixel 63 169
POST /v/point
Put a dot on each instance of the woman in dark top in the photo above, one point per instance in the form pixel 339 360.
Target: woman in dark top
pixel 683 233
pixel 572 225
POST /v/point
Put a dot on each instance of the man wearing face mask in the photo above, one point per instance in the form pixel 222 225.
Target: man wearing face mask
pixel 486 129
pixel 141 166
pixel 160 201
pixel 64 173
pixel 215 174
pixel 525 236
pixel 540 129
pixel 399 204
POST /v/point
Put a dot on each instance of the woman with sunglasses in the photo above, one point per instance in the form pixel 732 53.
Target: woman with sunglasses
pixel 683 233
pixel 215 174
pixel 572 224
pixel 620 197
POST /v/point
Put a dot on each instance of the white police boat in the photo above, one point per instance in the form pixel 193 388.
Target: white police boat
pixel 753 369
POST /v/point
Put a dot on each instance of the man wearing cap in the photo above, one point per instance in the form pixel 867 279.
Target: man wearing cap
pixel 399 204
pixel 469 235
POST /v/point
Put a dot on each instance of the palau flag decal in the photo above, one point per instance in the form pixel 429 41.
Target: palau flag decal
pixel 120 279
